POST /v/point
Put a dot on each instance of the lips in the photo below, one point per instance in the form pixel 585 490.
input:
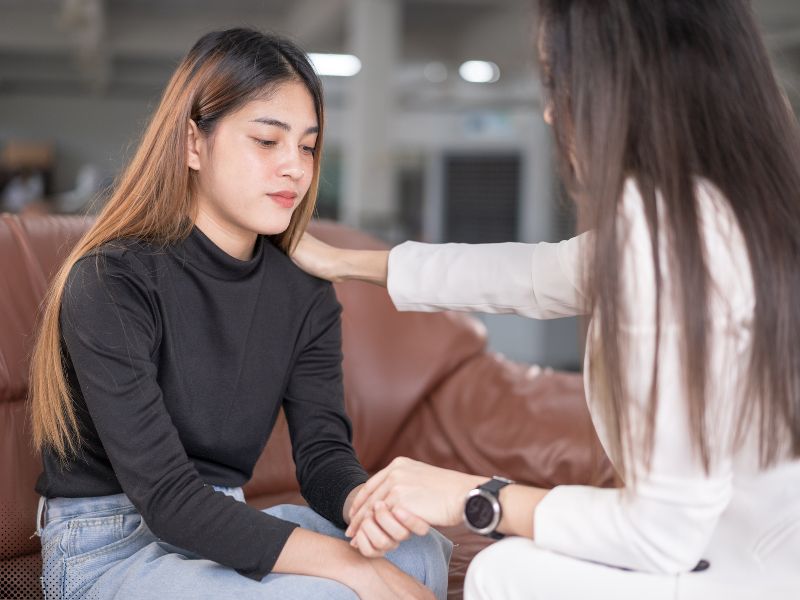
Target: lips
pixel 284 199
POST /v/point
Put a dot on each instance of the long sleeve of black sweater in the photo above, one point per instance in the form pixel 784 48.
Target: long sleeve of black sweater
pixel 179 362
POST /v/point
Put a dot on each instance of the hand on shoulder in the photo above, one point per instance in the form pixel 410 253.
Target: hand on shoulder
pixel 317 258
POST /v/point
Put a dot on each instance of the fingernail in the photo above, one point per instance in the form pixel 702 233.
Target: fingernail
pixel 403 514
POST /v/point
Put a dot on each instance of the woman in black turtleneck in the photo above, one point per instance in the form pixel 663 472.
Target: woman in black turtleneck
pixel 174 333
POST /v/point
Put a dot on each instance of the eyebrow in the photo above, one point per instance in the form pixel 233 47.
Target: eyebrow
pixel 281 124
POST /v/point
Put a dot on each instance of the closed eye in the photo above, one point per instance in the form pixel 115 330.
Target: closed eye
pixel 264 143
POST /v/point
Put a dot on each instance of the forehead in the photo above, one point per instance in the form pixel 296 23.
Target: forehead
pixel 290 102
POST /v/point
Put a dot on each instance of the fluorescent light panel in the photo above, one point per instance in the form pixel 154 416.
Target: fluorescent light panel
pixel 335 65
pixel 479 71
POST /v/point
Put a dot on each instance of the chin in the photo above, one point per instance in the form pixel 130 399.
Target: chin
pixel 274 226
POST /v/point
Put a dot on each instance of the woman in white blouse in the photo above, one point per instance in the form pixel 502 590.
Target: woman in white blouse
pixel 681 153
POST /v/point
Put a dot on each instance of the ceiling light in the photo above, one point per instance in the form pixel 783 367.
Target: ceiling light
pixel 335 65
pixel 479 71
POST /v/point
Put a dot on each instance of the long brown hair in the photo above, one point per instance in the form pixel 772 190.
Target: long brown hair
pixel 664 92
pixel 152 199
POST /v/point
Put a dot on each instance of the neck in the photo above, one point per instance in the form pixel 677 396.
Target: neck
pixel 236 242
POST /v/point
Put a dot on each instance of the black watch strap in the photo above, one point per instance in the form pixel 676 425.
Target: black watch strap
pixel 493 486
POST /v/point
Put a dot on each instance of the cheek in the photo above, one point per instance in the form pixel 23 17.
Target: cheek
pixel 248 163
pixel 307 179
pixel 239 172
pixel 309 166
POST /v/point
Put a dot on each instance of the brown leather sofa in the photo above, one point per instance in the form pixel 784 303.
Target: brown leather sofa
pixel 419 385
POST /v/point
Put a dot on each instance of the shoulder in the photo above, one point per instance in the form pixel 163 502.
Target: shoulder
pixel 115 271
pixel 107 298
pixel 101 264
pixel 314 301
pixel 716 218
pixel 714 211
pixel 120 257
pixel 304 288
pixel 724 252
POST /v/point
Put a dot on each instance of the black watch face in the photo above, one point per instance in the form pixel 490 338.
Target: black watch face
pixel 479 512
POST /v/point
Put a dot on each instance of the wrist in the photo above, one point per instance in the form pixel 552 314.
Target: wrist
pixel 310 553
pixel 364 265
pixel 362 573
pixel 466 485
pixel 350 567
pixel 338 266
pixel 349 502
pixel 484 507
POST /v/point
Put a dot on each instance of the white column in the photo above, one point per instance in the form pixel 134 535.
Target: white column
pixel 368 187
pixel 556 342
pixel 538 202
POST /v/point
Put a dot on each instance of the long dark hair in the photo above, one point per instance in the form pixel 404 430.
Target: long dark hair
pixel 153 198
pixel 665 92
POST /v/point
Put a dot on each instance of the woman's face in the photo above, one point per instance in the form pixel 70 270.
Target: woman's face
pixel 255 168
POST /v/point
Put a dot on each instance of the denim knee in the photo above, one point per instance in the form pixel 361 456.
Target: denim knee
pixel 306 518
pixel 433 546
pixel 294 513
pixel 441 543
pixel 426 558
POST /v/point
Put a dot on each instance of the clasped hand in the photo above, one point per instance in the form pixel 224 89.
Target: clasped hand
pixel 405 498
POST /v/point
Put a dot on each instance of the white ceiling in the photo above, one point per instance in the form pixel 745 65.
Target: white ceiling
pixel 129 47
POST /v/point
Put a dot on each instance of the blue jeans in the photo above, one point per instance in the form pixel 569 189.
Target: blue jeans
pixel 100 547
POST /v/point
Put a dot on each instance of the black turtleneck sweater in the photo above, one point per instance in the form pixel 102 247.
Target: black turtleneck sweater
pixel 178 359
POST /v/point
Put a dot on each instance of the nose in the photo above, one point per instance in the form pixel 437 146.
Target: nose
pixel 293 173
pixel 292 167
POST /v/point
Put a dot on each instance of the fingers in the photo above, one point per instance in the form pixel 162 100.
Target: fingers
pixel 358 519
pixel 379 542
pixel 363 545
pixel 363 540
pixel 383 529
pixel 389 523
pixel 378 480
pixel 367 504
pixel 411 521
pixel 367 489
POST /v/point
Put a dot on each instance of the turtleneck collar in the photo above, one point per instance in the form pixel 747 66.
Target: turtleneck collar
pixel 200 252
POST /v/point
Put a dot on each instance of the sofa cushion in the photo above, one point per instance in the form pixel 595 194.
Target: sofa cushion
pixel 497 417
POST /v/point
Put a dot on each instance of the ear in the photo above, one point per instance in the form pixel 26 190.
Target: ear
pixel 194 144
pixel 548 113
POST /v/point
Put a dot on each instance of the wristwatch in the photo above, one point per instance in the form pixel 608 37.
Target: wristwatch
pixel 482 512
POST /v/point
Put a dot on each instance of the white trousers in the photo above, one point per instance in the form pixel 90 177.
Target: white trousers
pixel 516 569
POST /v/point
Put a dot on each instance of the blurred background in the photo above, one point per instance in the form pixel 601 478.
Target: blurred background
pixel 434 129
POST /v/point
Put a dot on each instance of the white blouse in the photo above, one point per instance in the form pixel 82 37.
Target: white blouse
pixel 744 521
